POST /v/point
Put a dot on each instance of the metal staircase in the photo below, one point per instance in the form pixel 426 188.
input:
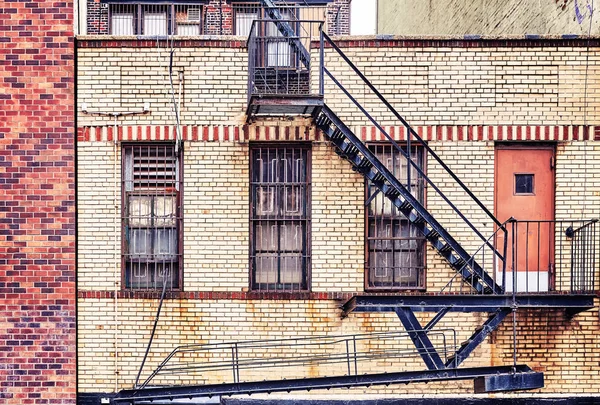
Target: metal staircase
pixel 352 149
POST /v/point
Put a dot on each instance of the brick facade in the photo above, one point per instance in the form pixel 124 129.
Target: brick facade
pixel 218 17
pixel 463 97
pixel 37 211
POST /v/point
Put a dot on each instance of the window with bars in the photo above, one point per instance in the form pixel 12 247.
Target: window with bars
pixel 152 219
pixel 246 12
pixel 395 248
pixel 155 19
pixel 280 218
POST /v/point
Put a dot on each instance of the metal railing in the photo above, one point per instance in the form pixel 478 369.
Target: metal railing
pixel 256 360
pixel 278 59
pixel 245 13
pixel 548 256
pixel 584 256
pixel 552 256
pixel 470 226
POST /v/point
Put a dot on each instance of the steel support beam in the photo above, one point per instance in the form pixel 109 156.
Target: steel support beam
pixel 436 318
pixel 420 339
pixel 467 303
pixel 490 325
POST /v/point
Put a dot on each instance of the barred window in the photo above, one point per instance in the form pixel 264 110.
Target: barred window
pixel 155 19
pixel 280 218
pixel 151 216
pixel 395 248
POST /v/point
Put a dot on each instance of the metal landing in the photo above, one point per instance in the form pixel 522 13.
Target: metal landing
pixel 488 379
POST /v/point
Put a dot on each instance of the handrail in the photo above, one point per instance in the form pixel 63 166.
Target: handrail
pixel 409 160
pixel 570 232
pixel 411 130
pixel 487 242
pixel 229 353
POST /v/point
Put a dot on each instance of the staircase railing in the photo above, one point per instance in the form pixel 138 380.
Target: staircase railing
pixel 255 360
pixel 482 256
pixel 277 63
pixel 412 138
pixel 552 256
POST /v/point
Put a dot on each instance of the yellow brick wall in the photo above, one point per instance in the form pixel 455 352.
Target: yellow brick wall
pixel 431 87
pixel 428 86
pixel 216 244
pixel 467 86
pixel 216 209
pixel 99 216
pixel 187 322
pixel 113 80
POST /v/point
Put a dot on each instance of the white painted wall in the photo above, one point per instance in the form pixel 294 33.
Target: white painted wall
pixel 363 17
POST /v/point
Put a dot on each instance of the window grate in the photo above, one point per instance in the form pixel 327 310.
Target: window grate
pixel 395 248
pixel 156 19
pixel 151 216
pixel 280 219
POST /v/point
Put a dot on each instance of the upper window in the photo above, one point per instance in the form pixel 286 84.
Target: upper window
pixel 155 19
pixel 280 218
pixel 395 247
pixel 152 220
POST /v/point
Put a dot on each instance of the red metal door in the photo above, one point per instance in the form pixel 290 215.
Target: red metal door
pixel 525 191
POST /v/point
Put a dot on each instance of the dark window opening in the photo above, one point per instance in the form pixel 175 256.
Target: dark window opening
pixel 523 183
pixel 395 247
pixel 152 220
pixel 280 218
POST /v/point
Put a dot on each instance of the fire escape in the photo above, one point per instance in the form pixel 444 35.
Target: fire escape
pixel 288 68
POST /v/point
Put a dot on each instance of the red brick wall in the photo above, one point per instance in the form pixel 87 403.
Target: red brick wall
pixel 37 207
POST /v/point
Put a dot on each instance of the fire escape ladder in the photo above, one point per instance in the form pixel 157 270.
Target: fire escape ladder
pixel 420 339
pixel 287 31
pixel 491 324
pixel 351 148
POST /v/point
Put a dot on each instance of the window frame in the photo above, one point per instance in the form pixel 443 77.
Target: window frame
pixel 306 283
pixel 171 18
pixel 178 192
pixel 421 241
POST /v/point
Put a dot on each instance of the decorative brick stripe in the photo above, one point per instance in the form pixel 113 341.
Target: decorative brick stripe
pixel 144 42
pixel 219 295
pixel 216 133
pixel 245 133
pixel 487 133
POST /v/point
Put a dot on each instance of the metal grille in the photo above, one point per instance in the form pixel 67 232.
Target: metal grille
pixel 155 19
pixel 245 13
pixel 395 248
pixel 151 216
pixel 280 220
